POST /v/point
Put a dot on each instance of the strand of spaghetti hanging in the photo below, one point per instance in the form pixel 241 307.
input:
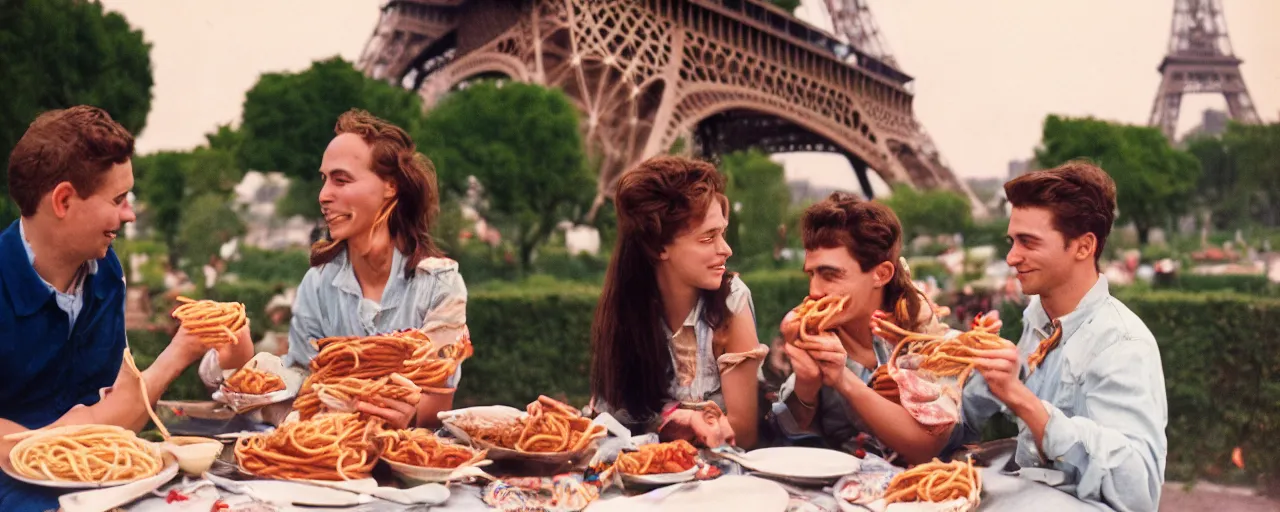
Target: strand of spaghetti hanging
pixel 941 354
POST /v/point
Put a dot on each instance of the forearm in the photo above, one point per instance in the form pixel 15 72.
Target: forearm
pixel 741 401
pixel 803 403
pixel 891 423
pixel 1027 407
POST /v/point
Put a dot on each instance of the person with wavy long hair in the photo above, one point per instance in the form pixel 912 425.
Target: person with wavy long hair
pixel 852 250
pixel 379 269
pixel 674 346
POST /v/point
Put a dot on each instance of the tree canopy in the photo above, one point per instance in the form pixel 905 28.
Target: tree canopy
pixel 1154 181
pixel 61 53
pixel 758 191
pixel 522 143
pixel 929 212
pixel 288 121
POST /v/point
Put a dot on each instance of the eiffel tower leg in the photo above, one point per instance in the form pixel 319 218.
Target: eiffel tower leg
pixel 1240 107
pixel 860 169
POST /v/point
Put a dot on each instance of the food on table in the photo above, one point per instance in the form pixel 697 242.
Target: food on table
pixel 347 390
pixel 85 453
pixel 674 457
pixel 215 323
pixel 327 447
pixel 550 426
pixel 408 353
pixel 935 481
pixel 252 381
pixel 421 448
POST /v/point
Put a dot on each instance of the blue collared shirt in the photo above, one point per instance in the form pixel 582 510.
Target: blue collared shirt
pixel 330 303
pixel 71 302
pixel 1103 388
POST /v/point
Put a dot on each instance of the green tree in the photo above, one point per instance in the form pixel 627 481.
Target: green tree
pixel 522 143
pixel 166 181
pixel 60 53
pixel 209 222
pixel 759 198
pixel 1154 181
pixel 288 121
pixel 1254 156
pixel 929 212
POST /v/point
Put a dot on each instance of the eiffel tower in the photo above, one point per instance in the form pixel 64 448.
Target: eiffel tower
pixel 723 75
pixel 1199 60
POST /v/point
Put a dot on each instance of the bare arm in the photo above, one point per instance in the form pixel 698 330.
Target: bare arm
pixel 891 423
pixel 739 383
pixel 122 403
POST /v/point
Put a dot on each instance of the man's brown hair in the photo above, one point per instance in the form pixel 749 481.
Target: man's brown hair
pixel 77 144
pixel 1080 195
pixel 872 234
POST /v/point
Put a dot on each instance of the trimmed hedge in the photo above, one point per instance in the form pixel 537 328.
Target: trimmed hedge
pixel 1256 284
pixel 1222 376
pixel 1221 365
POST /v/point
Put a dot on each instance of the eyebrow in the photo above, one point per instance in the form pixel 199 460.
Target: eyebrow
pixel 823 268
pixel 339 170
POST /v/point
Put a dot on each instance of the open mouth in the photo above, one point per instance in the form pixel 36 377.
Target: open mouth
pixel 337 217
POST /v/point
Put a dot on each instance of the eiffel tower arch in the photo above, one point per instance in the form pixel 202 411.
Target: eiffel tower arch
pixel 1199 60
pixel 721 74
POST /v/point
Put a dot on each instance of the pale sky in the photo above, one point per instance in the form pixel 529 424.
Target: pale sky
pixel 987 71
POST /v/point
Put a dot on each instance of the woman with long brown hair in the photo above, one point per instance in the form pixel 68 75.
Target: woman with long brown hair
pixel 674 346
pixel 379 269
pixel 852 251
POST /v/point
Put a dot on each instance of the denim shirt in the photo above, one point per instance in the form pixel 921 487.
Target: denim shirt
pixel 1103 388
pixel 330 303
pixel 697 377
pixel 834 420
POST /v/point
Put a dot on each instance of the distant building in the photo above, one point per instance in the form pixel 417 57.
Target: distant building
pixel 1020 167
pixel 1212 124
pixel 805 191
pixel 256 198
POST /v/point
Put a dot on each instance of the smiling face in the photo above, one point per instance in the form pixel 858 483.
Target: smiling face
pixel 1043 258
pixel 834 273
pixel 697 255
pixel 352 193
pixel 92 223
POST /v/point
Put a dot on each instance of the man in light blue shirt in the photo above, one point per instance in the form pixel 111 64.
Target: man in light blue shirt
pixel 1085 384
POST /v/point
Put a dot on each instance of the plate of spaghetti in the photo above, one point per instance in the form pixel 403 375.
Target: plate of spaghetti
pixel 549 431
pixel 659 463
pixel 329 447
pixel 418 455
pixel 86 457
pixel 933 486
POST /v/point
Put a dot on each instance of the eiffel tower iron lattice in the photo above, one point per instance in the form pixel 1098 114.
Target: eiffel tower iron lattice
pixel 1199 60
pixel 722 74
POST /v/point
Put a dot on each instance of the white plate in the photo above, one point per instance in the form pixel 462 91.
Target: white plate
pixel 801 462
pixel 167 472
pixel 734 492
pixel 420 474
pixel 661 478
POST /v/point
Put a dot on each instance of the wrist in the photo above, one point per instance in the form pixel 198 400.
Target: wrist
pixel 1021 401
pixel 850 385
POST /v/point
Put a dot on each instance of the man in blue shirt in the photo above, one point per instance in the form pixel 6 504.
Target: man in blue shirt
pixel 62 332
pixel 1084 384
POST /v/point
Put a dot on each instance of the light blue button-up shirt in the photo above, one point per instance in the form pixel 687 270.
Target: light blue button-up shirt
pixel 71 302
pixel 1103 388
pixel 330 303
